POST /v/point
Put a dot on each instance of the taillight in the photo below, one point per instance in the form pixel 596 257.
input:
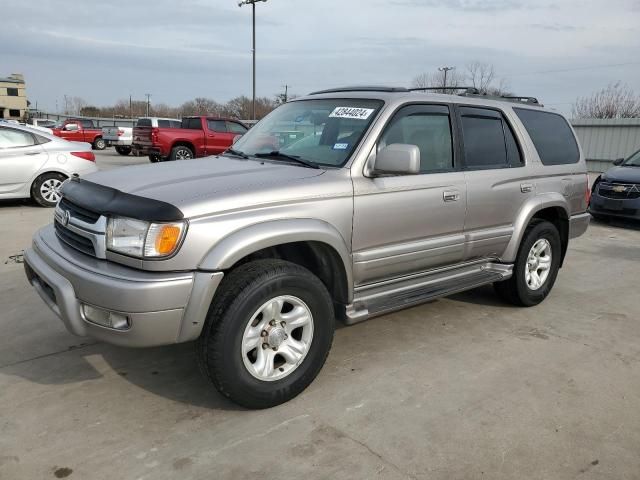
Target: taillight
pixel 154 134
pixel 86 155
pixel 120 132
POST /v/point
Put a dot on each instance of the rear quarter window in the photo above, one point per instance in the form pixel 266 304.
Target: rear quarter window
pixel 551 135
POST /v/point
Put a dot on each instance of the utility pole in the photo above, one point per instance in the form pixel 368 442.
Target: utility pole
pixel 148 95
pixel 286 93
pixel 130 107
pixel 445 70
pixel 253 49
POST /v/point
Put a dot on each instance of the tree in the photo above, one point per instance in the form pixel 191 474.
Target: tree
pixel 616 100
pixel 479 75
pixel 437 80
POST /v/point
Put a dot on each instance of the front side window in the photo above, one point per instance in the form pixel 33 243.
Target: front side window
pixel 429 128
pixel 10 138
pixel 87 124
pixel 234 127
pixel 551 135
pixel 217 125
pixel 192 123
pixel 323 131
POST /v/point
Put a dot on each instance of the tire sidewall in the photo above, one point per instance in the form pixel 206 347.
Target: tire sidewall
pixel 174 153
pixel 35 188
pixel 239 382
pixel 549 232
pixel 99 144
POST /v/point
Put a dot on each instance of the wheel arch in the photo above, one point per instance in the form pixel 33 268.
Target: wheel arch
pixel 183 143
pixel 314 244
pixel 552 207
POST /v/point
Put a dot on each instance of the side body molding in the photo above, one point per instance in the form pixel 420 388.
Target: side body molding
pixel 237 245
pixel 529 209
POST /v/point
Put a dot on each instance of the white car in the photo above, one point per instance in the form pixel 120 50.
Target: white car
pixel 119 137
pixel 34 164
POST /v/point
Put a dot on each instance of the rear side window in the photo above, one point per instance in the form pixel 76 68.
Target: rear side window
pixel 551 135
pixel 168 124
pixel 87 123
pixel 217 125
pixel 175 123
pixel 192 123
pixel 144 122
pixel 10 138
pixel 488 140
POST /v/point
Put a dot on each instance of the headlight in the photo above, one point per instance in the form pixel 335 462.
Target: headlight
pixel 138 238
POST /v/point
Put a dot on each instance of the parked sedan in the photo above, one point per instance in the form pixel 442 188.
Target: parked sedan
pixel 34 164
pixel 616 193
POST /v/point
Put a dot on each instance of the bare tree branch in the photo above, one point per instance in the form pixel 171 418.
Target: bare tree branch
pixel 616 100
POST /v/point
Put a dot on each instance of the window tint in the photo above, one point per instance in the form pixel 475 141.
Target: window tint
pixel 14 113
pixel 234 127
pixel 175 123
pixel 192 123
pixel 145 122
pixel 551 135
pixel 483 138
pixel 12 92
pixel 10 138
pixel 217 125
pixel 427 127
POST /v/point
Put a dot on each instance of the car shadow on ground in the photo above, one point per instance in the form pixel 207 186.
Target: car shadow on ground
pixel 614 222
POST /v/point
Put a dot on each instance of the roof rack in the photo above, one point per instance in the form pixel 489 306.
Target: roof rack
pixel 364 88
pixel 467 90
pixel 504 98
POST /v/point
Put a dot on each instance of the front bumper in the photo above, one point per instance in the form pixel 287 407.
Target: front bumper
pixel 622 208
pixel 163 308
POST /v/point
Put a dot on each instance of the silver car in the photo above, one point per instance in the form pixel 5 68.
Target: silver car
pixel 34 163
pixel 345 204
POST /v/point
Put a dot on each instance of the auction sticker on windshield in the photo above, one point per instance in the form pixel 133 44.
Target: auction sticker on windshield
pixel 352 112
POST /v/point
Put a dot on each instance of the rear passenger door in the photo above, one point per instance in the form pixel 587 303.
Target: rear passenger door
pixel 497 183
pixel 406 224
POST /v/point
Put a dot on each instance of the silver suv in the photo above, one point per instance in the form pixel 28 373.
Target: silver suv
pixel 347 204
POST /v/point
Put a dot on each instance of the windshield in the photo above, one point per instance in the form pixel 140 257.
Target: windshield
pixel 633 160
pixel 324 132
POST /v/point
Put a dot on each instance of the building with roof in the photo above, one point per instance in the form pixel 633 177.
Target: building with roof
pixel 13 97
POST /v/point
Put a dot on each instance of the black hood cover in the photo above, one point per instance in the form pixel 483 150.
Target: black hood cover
pixel 622 174
pixel 109 201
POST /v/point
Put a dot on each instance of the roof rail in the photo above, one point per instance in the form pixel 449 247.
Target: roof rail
pixel 504 98
pixel 364 88
pixel 467 90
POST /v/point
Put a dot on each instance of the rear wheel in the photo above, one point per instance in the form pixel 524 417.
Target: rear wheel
pixel 99 144
pixel 267 334
pixel 536 266
pixel 181 153
pixel 45 189
pixel 123 150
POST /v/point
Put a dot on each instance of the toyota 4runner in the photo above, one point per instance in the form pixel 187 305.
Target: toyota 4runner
pixel 347 203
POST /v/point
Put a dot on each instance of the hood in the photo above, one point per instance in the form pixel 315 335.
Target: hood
pixel 190 183
pixel 622 174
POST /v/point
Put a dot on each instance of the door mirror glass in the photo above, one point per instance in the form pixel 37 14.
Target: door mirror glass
pixel 398 159
pixel 618 161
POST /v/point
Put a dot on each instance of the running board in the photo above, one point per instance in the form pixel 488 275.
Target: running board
pixel 384 297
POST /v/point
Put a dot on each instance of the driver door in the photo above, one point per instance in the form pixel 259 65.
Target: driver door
pixel 406 224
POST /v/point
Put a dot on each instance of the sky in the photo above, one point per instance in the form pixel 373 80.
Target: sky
pixel 104 51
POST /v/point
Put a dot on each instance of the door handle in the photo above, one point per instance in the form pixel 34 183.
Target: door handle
pixel 450 196
pixel 32 153
pixel 526 187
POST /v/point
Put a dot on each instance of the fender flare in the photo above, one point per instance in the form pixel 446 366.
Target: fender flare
pixel 237 245
pixel 527 212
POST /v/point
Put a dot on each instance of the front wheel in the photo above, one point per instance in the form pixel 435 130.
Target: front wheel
pixel 181 153
pixel 45 189
pixel 267 334
pixel 536 266
pixel 99 144
pixel 123 150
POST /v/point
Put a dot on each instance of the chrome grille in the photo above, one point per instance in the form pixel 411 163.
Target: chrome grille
pixel 80 228
pixel 621 191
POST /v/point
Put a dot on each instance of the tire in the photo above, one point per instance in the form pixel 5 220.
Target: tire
pixel 123 150
pixel 521 288
pixel 44 189
pixel 181 153
pixel 243 295
pixel 155 158
pixel 99 144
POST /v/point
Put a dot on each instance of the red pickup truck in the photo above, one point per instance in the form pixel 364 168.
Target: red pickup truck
pixel 196 137
pixel 80 130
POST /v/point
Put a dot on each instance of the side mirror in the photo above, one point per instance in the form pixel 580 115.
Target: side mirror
pixel 618 161
pixel 399 159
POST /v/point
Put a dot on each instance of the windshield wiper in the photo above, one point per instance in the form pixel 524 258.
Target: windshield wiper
pixel 294 158
pixel 237 153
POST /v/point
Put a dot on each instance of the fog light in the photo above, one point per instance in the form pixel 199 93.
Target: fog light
pixel 106 318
